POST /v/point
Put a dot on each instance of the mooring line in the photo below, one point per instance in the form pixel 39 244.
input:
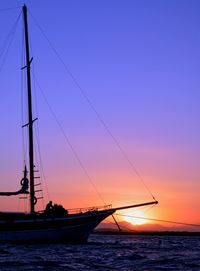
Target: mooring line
pixel 161 220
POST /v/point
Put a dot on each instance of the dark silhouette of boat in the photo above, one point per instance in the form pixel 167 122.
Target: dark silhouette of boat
pixel 54 224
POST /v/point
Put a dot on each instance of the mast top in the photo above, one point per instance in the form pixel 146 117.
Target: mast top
pixel 24 7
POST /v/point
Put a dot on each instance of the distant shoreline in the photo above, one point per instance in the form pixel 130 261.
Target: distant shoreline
pixel 159 233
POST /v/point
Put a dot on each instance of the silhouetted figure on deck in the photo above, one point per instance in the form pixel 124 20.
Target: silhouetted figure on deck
pixel 59 210
pixel 49 208
pixel 56 210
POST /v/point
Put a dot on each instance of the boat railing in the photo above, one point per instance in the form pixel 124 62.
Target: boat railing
pixel 89 209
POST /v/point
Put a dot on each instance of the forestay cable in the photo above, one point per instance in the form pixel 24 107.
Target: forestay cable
pixel 69 142
pixel 8 41
pixel 161 220
pixel 11 8
pixel 93 108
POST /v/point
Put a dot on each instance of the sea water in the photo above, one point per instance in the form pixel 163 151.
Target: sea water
pixel 106 252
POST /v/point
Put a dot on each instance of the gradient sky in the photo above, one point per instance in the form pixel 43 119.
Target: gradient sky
pixel 138 62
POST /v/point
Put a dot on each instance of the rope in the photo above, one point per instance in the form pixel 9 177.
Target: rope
pixel 25 200
pixel 161 220
pixel 121 226
pixel 23 106
pixel 69 142
pixel 37 139
pixel 122 151
pixel 8 41
pixel 7 9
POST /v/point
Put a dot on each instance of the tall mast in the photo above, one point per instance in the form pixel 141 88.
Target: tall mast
pixel 30 118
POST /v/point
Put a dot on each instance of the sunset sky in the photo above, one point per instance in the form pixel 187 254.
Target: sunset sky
pixel 138 64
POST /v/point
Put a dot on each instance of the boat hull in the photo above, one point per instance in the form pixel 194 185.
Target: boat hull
pixel 73 228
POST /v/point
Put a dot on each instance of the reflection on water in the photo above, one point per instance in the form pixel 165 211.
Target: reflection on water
pixel 106 252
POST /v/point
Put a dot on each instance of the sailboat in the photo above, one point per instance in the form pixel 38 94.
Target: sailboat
pixel 52 224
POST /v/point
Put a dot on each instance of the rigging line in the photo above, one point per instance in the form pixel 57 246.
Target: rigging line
pixel 23 102
pixel 161 220
pixel 12 8
pixel 24 109
pixel 12 32
pixel 40 164
pixel 69 143
pixel 38 157
pixel 116 222
pixel 9 34
pixel 39 161
pixel 121 226
pixel 147 208
pixel 94 109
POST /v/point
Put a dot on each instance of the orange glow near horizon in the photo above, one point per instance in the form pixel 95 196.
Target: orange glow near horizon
pixel 133 217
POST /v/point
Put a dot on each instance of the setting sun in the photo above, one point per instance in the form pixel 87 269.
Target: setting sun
pixel 134 218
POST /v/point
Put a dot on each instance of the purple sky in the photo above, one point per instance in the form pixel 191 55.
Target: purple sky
pixel 138 62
